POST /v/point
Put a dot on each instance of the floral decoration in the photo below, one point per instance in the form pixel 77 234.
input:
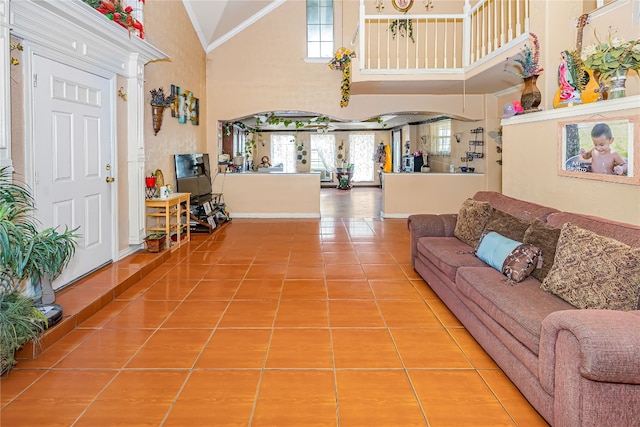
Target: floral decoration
pixel 160 99
pixel 122 16
pixel 527 60
pixel 402 26
pixel 615 54
pixel 342 61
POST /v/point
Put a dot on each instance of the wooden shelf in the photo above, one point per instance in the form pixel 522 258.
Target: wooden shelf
pixel 166 215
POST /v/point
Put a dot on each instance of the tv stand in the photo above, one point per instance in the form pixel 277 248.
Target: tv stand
pixel 207 215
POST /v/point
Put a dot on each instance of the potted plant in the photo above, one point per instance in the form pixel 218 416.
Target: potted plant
pixel 612 59
pixel 151 180
pixel 26 254
pixel 528 68
pixel 155 242
pixel 159 101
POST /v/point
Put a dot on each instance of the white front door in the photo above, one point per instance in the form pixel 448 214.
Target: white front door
pixel 73 148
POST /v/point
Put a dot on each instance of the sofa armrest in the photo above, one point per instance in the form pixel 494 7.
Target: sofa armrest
pixel 608 345
pixel 429 225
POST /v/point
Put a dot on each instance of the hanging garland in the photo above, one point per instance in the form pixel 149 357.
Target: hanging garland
pixel 342 61
pixel 402 26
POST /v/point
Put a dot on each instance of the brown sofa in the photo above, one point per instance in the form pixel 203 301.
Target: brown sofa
pixel 576 367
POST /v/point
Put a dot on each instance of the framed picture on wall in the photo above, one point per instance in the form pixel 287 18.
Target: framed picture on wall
pixel 175 91
pixel 606 149
pixel 402 5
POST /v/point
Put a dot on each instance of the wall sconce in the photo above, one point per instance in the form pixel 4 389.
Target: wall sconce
pixel 158 103
pixel 458 137
pixel 379 5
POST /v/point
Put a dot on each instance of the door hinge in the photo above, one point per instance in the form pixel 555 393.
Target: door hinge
pixel 35 80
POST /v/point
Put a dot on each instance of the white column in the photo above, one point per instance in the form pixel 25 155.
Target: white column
pixel 135 149
pixel 5 86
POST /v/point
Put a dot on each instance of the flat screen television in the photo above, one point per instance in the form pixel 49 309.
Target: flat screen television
pixel 193 175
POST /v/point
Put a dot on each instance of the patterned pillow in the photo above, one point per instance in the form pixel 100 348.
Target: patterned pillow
pixel 507 225
pixel 513 259
pixel 546 238
pixel 592 271
pixel 472 219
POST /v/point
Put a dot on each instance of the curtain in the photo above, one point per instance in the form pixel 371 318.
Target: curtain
pixel 323 152
pixel 361 150
pixel 283 152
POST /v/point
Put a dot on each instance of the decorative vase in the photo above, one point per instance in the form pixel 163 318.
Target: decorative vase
pixel 531 96
pixel 157 111
pixel 618 81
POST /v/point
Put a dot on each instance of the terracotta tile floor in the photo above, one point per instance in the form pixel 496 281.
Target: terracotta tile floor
pixel 270 323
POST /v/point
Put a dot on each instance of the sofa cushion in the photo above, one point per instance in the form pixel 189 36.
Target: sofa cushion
pixel 625 233
pixel 514 259
pixel 524 210
pixel 593 271
pixel 545 238
pixel 448 254
pixel 507 225
pixel 472 219
pixel 518 309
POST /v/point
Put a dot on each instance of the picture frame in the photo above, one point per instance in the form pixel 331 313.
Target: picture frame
pixel 618 158
pixel 175 91
pixel 402 5
pixel 195 111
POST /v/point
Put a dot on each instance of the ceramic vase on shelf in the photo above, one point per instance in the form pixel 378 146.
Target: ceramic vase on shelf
pixel 531 96
pixel 617 88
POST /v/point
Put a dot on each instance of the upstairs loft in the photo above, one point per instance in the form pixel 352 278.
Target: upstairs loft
pixel 439 53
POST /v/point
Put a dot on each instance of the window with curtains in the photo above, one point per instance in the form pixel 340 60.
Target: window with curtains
pixel 319 28
pixel 440 132
pixel 323 152
pixel 283 152
pixel 361 151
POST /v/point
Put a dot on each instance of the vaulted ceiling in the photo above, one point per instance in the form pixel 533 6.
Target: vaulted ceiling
pixel 216 21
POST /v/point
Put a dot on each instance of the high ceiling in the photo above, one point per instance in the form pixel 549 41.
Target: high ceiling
pixel 216 21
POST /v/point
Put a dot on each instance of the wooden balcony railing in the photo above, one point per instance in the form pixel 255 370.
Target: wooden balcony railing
pixel 413 43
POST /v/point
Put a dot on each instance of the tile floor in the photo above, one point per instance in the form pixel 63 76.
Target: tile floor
pixel 270 323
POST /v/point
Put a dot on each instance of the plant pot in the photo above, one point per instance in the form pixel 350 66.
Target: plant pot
pixel 156 112
pixel 618 82
pixel 531 96
pixel 155 244
pixel 150 181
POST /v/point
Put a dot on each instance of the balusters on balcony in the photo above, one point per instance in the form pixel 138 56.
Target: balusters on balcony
pixel 417 43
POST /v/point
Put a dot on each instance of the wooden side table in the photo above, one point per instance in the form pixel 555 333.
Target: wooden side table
pixel 166 216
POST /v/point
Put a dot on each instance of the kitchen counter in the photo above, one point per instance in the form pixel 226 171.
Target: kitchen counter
pixel 404 194
pixel 270 194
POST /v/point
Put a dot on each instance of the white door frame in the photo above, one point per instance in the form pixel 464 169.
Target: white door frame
pixel 31 50
pixel 72 33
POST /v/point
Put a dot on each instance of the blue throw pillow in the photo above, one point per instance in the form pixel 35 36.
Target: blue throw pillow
pixel 513 259
pixel 494 248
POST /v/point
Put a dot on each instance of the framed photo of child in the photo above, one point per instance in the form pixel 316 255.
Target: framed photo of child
pixel 604 149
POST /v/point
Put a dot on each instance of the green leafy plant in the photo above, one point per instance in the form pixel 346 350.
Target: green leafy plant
pixel 26 253
pixel 402 26
pixel 612 55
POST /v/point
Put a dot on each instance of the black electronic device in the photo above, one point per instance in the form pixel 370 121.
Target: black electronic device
pixel 193 175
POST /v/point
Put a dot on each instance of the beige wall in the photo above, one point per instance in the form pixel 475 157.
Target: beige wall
pixel 262 69
pixel 530 150
pixel 169 28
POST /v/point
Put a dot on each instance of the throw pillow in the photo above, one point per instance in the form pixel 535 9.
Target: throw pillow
pixel 507 225
pixel 513 259
pixel 546 238
pixel 472 219
pixel 592 271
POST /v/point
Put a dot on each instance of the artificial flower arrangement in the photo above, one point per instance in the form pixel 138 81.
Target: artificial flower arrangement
pixel 342 61
pixel 122 16
pixel 402 26
pixel 614 55
pixel 527 59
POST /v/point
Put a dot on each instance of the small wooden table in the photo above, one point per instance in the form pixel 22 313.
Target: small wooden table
pixel 167 216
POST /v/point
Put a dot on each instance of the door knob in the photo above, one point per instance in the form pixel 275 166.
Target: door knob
pixel 110 179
